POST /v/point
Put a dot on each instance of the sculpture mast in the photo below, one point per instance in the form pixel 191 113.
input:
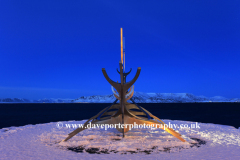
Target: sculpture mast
pixel 122 46
pixel 121 41
pixel 122 95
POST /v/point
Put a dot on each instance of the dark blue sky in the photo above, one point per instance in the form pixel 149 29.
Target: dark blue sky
pixel 57 49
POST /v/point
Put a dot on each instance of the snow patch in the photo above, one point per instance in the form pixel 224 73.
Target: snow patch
pixel 44 142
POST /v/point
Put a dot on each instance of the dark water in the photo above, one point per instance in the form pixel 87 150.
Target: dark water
pixel 34 113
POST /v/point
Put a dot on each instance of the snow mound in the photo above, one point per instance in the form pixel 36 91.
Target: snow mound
pixel 43 141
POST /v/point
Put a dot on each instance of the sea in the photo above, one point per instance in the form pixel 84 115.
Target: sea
pixel 20 114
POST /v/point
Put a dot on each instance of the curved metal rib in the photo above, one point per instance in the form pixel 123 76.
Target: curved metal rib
pixel 129 84
pixel 116 85
pixel 126 96
pixel 118 71
pixel 129 96
pixel 117 97
pixel 125 74
pixel 114 92
pixel 131 90
pixel 129 71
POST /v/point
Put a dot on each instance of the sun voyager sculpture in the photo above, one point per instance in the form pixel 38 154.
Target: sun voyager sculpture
pixel 124 113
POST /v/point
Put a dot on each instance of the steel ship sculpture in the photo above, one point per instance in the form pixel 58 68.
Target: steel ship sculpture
pixel 124 112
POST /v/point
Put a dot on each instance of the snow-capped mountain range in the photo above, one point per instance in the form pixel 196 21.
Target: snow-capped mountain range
pixel 45 100
pixel 138 97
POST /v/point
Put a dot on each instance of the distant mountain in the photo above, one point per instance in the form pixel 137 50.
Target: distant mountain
pixel 46 100
pixel 18 100
pixel 138 97
pixel 52 100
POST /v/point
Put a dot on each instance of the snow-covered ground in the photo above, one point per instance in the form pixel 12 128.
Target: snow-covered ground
pixel 43 141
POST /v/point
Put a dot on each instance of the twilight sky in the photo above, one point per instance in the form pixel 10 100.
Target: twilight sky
pixel 57 49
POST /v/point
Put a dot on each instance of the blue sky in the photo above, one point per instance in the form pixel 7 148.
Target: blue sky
pixel 56 49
